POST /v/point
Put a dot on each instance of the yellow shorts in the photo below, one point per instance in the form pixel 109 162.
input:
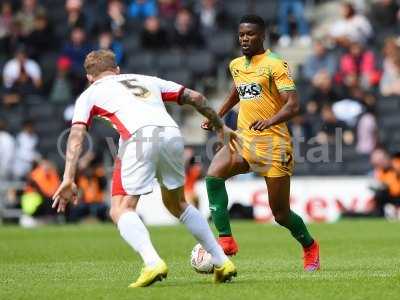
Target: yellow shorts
pixel 268 155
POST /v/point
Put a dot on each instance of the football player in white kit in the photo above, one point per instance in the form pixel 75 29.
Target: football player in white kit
pixel 151 146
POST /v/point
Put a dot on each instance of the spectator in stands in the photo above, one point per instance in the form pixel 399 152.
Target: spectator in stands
pixel 353 27
pixel 320 61
pixel 26 16
pixel 211 15
pixel 367 132
pixel 323 91
pixel 390 81
pixel 384 15
pixel 22 73
pixel 116 18
pixel 312 120
pixel 358 66
pixel 106 41
pixel 329 125
pixel 61 90
pixel 41 40
pixel 26 152
pixel 7 152
pixel 186 33
pixel 15 38
pixel 193 172
pixel 295 8
pixel 42 182
pixel 74 16
pixel 387 172
pixel 153 36
pixel 168 8
pixel 6 19
pixel 92 184
pixel 76 50
pixel 142 9
pixel 11 99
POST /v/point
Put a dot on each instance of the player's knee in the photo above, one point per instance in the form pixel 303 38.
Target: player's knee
pixel 218 170
pixel 114 214
pixel 281 217
pixel 176 208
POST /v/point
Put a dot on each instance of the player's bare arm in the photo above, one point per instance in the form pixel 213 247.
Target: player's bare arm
pixel 200 103
pixel 230 101
pixel 287 112
pixel 67 191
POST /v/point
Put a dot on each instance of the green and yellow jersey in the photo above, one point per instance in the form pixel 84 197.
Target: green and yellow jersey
pixel 258 82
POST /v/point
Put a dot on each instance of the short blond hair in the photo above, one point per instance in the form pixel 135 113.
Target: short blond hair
pixel 99 61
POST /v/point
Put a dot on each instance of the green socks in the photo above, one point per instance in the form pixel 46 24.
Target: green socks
pixel 218 203
pixel 298 229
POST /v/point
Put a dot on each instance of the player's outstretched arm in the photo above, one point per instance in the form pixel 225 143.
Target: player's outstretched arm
pixel 287 112
pixel 200 103
pixel 68 191
pixel 230 101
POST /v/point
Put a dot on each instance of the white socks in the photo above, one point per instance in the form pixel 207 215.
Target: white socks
pixel 199 228
pixel 136 235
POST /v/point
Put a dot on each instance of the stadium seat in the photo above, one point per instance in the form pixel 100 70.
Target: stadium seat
pixel 181 76
pixel 48 64
pixel 143 63
pixel 200 62
pixel 266 9
pixel 169 61
pixel 236 9
pixel 359 165
pixel 328 168
pixel 13 117
pixel 302 168
pixel 33 100
pixel 41 112
pixel 131 43
pixel 222 44
pixel 391 121
pixel 388 104
pixel 49 126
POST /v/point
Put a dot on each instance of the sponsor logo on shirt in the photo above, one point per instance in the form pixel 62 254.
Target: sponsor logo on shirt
pixel 249 91
pixel 235 72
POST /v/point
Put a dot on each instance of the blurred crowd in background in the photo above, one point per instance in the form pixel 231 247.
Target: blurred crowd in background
pixel 349 79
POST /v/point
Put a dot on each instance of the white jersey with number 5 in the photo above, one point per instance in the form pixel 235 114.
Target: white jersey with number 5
pixel 129 102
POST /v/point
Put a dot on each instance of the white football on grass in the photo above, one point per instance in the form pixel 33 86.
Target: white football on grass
pixel 200 260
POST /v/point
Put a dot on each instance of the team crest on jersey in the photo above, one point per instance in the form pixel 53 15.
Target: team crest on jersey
pixel 249 91
pixel 288 71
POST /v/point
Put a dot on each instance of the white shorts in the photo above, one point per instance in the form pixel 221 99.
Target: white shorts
pixel 152 152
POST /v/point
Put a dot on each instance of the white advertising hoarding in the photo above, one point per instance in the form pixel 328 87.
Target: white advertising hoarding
pixel 316 199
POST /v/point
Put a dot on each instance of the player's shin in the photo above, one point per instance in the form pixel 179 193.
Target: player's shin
pixel 200 229
pixel 298 229
pixel 218 199
pixel 136 235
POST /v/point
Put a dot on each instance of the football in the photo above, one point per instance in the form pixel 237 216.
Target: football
pixel 200 260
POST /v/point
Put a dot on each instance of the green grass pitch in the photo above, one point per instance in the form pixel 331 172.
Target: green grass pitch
pixel 360 260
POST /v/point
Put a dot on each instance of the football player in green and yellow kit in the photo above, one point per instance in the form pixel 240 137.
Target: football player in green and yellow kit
pixel 267 95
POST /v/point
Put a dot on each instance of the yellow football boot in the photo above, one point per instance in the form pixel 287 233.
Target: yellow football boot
pixel 225 272
pixel 150 275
